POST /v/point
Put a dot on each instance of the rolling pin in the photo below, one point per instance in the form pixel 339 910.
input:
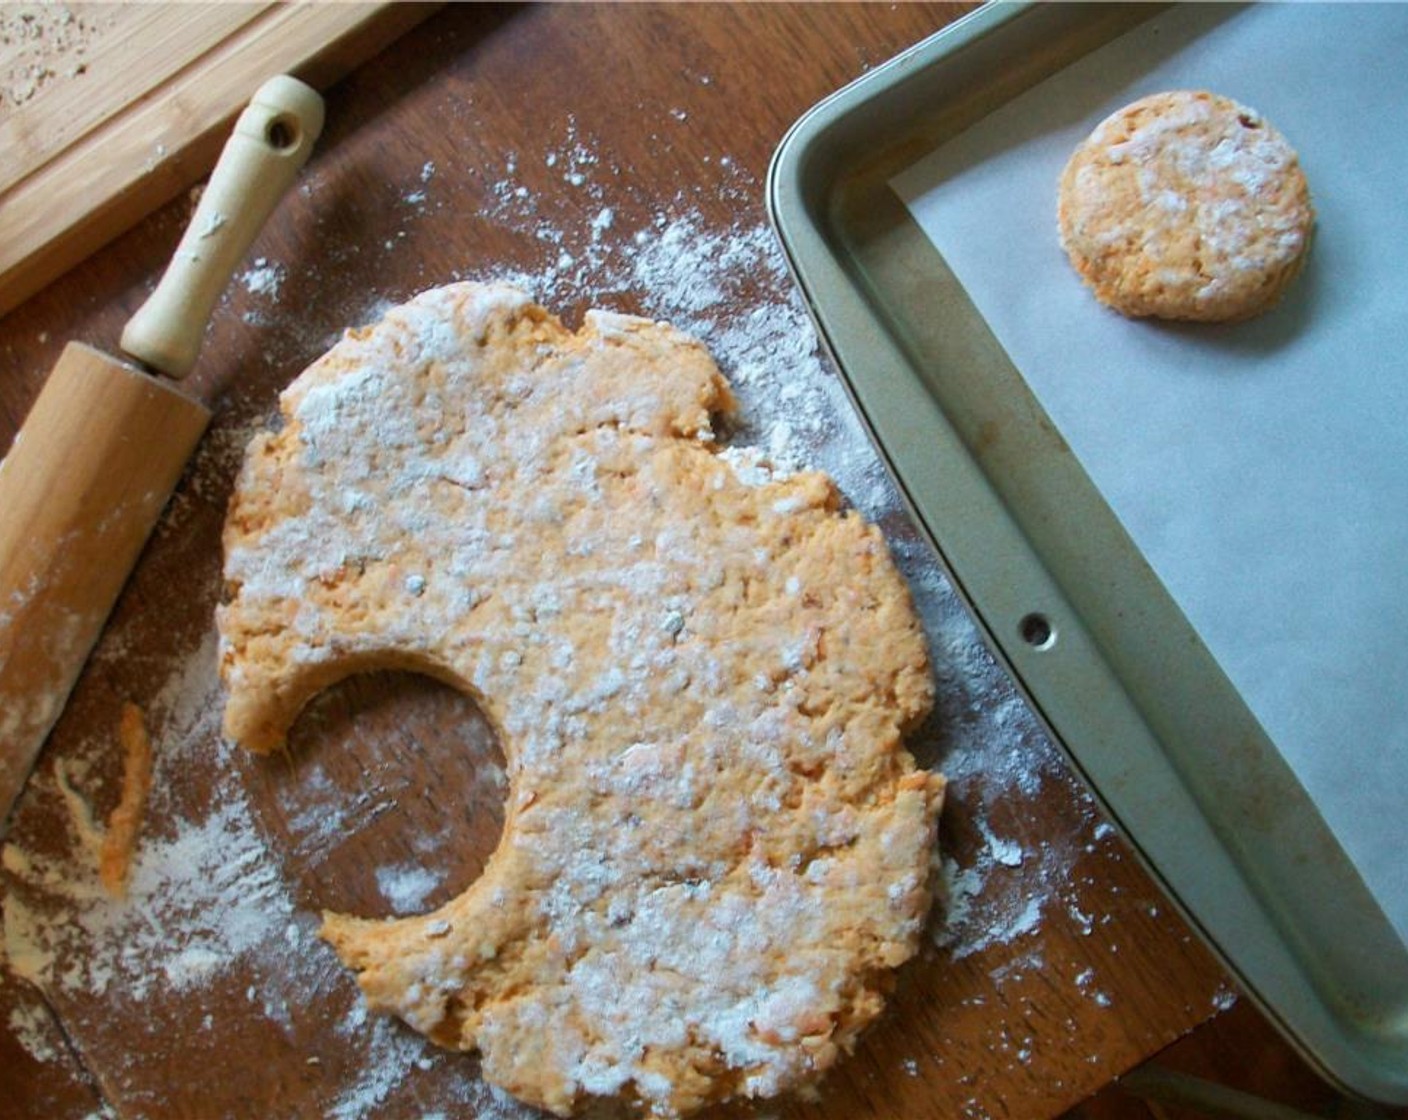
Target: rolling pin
pixel 104 445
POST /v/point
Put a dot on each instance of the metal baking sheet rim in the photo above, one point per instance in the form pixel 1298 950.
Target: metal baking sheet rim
pixel 1353 1029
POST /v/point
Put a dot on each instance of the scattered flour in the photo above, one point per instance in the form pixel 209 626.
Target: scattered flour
pixel 35 1032
pixel 263 278
pixel 1085 981
pixel 407 886
pixel 210 912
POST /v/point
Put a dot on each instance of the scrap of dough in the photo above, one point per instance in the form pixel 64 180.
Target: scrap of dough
pixel 125 821
pixel 716 847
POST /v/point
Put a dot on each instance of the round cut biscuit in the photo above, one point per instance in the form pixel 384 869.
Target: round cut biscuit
pixel 716 847
pixel 1186 205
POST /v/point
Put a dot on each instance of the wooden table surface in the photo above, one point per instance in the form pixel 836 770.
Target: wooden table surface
pixel 562 145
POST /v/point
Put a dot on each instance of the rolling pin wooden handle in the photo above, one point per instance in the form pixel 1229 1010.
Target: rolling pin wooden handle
pixel 271 141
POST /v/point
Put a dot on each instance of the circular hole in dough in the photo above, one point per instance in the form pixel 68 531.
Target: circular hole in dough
pixel 390 798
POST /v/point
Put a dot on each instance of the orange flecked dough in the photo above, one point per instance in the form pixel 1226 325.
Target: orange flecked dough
pixel 716 847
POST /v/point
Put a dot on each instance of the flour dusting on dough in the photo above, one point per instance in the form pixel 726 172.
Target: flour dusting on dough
pixel 717 846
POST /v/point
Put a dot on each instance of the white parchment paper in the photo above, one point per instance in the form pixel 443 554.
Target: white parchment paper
pixel 1262 467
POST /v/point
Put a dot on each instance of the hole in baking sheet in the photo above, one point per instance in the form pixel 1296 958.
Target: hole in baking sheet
pixel 390 799
pixel 1037 631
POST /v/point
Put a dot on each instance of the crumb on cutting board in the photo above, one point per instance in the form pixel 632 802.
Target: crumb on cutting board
pixel 41 44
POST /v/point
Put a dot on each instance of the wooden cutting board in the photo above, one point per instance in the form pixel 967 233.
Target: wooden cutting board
pixel 107 111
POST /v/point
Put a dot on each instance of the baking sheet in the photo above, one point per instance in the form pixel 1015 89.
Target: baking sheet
pixel 1259 467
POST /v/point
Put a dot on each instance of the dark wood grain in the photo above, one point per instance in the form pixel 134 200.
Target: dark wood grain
pixel 1022 1027
pixel 42 1075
